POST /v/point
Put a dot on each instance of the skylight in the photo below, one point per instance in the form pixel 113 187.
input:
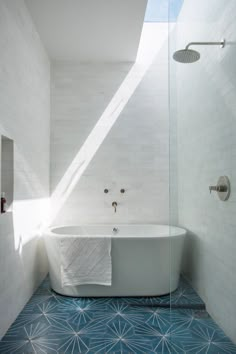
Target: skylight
pixel 163 10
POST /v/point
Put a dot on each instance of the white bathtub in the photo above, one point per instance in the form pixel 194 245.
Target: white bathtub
pixel 146 259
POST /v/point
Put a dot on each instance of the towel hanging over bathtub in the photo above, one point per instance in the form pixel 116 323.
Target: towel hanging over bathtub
pixel 85 260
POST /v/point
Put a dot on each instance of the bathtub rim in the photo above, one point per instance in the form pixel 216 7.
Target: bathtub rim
pixel 50 233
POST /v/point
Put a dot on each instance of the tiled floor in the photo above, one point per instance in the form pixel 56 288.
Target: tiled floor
pixel 51 324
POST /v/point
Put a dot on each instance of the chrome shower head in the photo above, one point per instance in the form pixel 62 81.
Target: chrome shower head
pixel 187 55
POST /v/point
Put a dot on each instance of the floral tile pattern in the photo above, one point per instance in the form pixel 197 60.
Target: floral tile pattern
pixel 54 324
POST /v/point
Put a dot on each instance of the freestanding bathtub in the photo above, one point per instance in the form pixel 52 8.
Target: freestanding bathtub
pixel 146 259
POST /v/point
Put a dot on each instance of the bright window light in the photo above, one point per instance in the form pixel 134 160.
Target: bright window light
pixel 163 10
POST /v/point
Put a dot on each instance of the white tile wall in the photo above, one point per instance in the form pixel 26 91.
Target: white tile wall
pixel 25 118
pixel 206 114
pixel 133 156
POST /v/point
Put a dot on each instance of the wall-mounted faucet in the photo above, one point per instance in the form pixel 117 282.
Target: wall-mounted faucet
pixel 114 204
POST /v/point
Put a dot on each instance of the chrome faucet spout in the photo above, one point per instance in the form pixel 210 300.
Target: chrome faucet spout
pixel 114 204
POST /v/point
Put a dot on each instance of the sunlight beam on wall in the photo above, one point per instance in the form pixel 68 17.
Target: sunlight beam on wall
pixel 28 217
pixel 152 39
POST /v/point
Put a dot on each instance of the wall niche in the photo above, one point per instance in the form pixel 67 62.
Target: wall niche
pixel 7 172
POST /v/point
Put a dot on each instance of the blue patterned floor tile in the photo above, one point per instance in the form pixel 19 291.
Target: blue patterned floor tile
pixel 54 324
pixel 120 337
pixel 185 294
pixel 159 317
pixel 190 319
pixel 164 338
pixel 121 311
pixel 75 337
pixel 32 338
pixel 208 340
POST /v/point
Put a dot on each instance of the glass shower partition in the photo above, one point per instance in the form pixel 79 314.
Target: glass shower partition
pixel 202 96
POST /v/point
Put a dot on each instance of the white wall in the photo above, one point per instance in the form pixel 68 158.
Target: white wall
pixel 101 31
pixel 206 113
pixel 133 156
pixel 24 117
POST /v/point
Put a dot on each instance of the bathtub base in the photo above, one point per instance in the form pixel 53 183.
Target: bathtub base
pixel 140 267
pixel 97 291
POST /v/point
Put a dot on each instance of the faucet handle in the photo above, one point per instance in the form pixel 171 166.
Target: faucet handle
pixel 212 188
pixel 218 188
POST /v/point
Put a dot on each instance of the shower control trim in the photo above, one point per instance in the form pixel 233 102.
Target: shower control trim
pixel 222 188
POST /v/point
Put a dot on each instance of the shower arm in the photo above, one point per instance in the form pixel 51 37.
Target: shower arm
pixel 221 43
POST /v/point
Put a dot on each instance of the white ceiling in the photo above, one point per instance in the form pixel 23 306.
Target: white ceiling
pixel 89 30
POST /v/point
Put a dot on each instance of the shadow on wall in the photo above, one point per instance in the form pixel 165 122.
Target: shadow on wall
pixel 193 247
pixel 190 245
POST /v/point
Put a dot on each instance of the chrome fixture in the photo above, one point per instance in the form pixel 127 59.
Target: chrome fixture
pixel 122 190
pixel 115 230
pixel 114 204
pixel 187 55
pixel 106 190
pixel 222 188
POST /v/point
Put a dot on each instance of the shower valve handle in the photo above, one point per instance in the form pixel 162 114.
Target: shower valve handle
pixel 218 188
pixel 222 188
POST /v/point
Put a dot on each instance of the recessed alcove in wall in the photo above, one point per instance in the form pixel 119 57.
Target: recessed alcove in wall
pixel 7 170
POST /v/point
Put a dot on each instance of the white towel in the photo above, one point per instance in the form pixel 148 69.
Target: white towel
pixel 86 260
